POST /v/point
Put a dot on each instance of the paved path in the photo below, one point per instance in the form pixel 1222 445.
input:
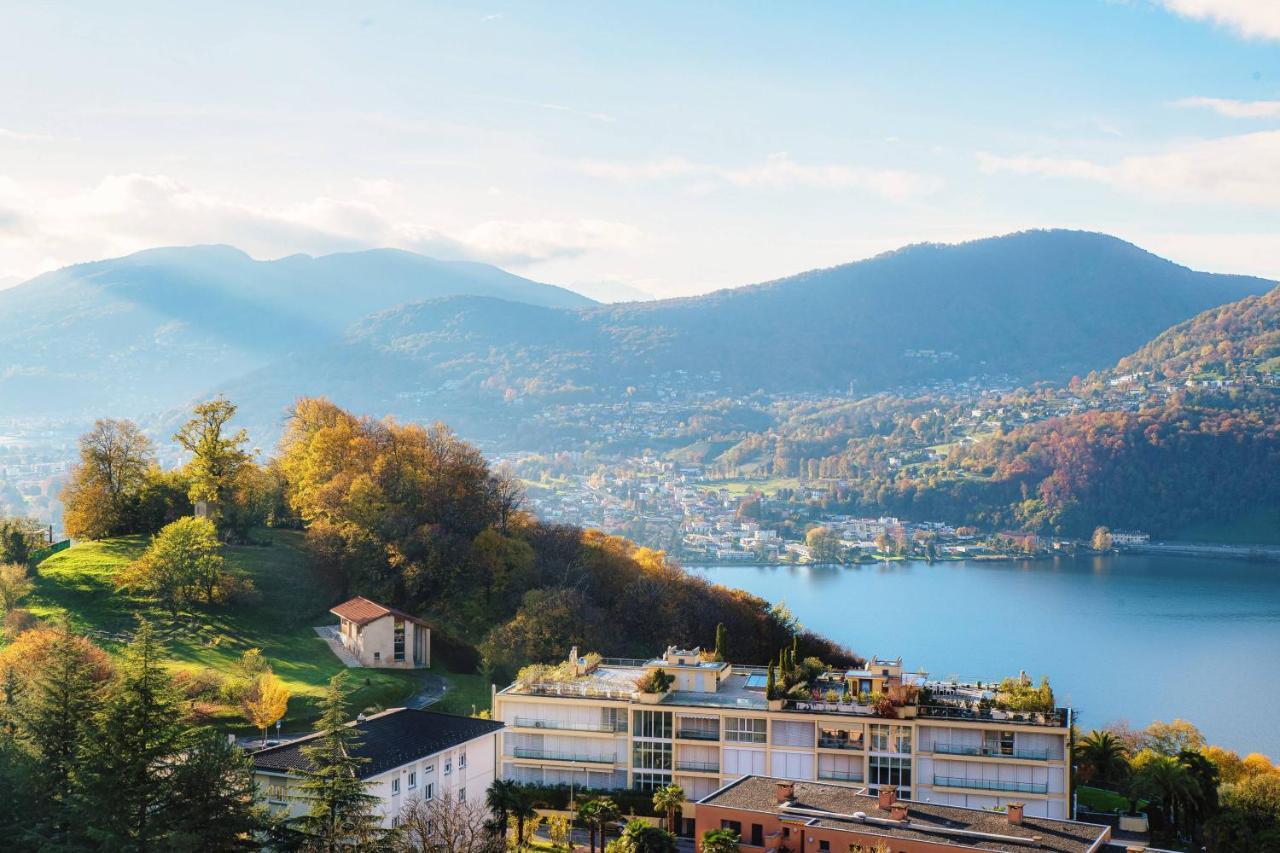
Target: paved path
pixel 432 690
pixel 329 633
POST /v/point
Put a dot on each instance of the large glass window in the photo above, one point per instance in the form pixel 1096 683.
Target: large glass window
pixel 651 755
pixel 649 781
pixel 745 729
pixel 887 770
pixel 880 737
pixel 398 639
pixel 614 719
pixel 652 724
pixel 902 739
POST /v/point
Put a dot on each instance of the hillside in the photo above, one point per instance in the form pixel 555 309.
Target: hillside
pixel 148 331
pixel 77 583
pixel 1031 306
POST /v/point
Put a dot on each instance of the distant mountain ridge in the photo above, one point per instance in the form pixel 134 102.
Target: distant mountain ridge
pixel 1032 306
pixel 151 329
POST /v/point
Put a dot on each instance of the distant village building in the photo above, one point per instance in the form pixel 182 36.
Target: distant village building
pixel 381 636
pixel 408 754
pixel 1129 537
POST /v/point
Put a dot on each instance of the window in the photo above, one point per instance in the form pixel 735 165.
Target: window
pixel 732 826
pixel 413 779
pixel 377 655
pixel 649 755
pixel 397 642
pixel 744 729
pixel 448 766
pixel 884 770
pixel 757 835
pixel 428 791
pixel 462 761
pixel 651 781
pixel 277 794
pixel 462 795
pixel 902 740
pixel 824 845
pixel 613 719
pixel 879 737
pixel 653 724
pixel 395 786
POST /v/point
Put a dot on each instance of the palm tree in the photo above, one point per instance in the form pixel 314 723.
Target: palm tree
pixel 500 798
pixel 720 841
pixel 597 815
pixel 1102 757
pixel 522 810
pixel 669 799
pixel 587 812
pixel 640 837
pixel 1166 780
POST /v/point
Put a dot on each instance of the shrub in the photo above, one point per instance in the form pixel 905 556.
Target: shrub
pixel 18 621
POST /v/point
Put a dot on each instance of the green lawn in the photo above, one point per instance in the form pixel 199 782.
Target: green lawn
pixel 291 600
pixel 742 487
pixel 1102 800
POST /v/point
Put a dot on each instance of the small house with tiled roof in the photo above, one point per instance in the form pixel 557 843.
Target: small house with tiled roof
pixel 404 754
pixel 380 636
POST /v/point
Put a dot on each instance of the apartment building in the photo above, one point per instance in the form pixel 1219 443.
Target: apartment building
pixel 585 722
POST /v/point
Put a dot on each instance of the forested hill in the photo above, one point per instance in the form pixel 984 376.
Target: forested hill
pixel 150 330
pixel 1041 305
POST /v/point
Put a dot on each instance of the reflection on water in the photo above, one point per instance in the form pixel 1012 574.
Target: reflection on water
pixel 1133 637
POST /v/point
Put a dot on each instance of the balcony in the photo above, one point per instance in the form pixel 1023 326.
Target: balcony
pixel 534 723
pixel 838 743
pixel 985 752
pixel 551 755
pixel 991 785
pixel 696 734
pixel 1054 719
pixel 698 766
pixel 839 776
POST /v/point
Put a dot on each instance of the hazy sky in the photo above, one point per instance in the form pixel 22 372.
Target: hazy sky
pixel 670 148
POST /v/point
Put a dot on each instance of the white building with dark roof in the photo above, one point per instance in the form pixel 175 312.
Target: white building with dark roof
pixel 407 754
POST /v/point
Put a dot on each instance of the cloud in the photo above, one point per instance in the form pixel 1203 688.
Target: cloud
pixel 778 171
pixel 1249 18
pixel 1233 109
pixel 23 136
pixel 1241 169
pixel 125 213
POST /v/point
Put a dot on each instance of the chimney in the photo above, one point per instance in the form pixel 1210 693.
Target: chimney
pixel 1014 812
pixel 888 796
pixel 898 812
pixel 785 792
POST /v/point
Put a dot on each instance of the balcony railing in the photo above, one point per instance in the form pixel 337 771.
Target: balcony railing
pixel 697 734
pixel 1057 719
pixel 840 775
pixel 698 766
pixel 991 785
pixel 574 690
pixel 551 755
pixel 987 752
pixel 535 723
pixel 838 743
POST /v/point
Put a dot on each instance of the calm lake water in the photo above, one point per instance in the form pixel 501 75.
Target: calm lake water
pixel 1123 637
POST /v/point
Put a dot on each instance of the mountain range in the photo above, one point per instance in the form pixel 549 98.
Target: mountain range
pixel 388 331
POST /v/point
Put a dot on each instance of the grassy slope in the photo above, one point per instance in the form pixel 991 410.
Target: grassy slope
pixel 78 583
pixel 1259 527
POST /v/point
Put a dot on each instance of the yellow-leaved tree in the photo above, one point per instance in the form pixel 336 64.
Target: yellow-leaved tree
pixel 265 701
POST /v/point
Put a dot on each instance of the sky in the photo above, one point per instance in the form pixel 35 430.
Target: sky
pixel 631 150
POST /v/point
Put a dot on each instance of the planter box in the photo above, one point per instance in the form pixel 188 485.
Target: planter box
pixel 775 704
pixel 651 698
pixel 1133 823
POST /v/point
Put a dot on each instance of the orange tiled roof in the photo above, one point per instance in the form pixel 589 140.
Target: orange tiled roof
pixel 362 611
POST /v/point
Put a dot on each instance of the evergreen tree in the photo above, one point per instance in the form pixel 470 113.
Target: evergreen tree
pixel 128 776
pixel 342 810
pixel 52 716
pixel 214 807
pixel 722 643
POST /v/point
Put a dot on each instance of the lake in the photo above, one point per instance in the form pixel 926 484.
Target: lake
pixel 1120 637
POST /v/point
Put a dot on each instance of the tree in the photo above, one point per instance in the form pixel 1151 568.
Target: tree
pixel 1103 758
pixel 100 495
pixel 521 810
pixel 19 538
pixel 641 837
pixel 127 793
pixel 722 642
pixel 217 455
pixel 824 545
pixel 1249 817
pixel 597 814
pixel 184 565
pixel 500 797
pixel 720 841
pixel 341 814
pixel 668 800
pixel 446 825
pixel 1172 738
pixel 265 701
pixel 15 584
pixel 559 830
pixel 1165 781
pixel 771 683
pixel 1101 539
pixel 1230 767
pixel 214 805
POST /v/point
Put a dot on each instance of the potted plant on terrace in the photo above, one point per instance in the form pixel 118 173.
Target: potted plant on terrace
pixel 654 686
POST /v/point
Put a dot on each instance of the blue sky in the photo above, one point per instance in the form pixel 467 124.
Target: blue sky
pixel 628 148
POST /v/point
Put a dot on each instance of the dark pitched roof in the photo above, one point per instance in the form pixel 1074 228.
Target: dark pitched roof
pixel 388 740
pixel 925 821
pixel 362 611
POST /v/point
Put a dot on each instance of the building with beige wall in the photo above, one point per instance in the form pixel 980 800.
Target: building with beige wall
pixel 410 754
pixel 587 723
pixel 380 636
pixel 770 815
